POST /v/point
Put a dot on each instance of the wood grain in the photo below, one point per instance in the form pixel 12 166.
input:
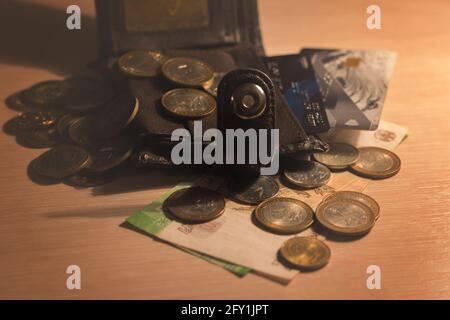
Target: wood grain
pixel 43 229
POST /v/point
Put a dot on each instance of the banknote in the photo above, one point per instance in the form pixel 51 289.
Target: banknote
pixel 388 136
pixel 233 239
pixel 151 220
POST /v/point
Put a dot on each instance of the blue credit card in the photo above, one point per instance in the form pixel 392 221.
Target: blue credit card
pixel 295 77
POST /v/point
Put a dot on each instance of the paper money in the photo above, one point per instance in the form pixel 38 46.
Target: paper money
pixel 234 237
pixel 388 136
pixel 152 220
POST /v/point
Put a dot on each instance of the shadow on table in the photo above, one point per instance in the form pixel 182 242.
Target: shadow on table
pixel 95 213
pixel 330 236
pixel 36 35
pixel 132 179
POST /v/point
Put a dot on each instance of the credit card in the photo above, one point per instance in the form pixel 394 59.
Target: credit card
pixel 295 77
pixel 353 85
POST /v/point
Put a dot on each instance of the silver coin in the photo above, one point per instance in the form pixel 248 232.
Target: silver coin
pixel 376 163
pixel 188 103
pixel 345 216
pixel 357 196
pixel 252 191
pixel 187 71
pixel 340 156
pixel 141 63
pixel 307 174
pixel 284 215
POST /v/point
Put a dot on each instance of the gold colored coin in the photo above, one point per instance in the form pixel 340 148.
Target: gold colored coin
pixel 305 252
pixel 376 163
pixel 61 161
pixel 357 196
pixel 340 156
pixel 195 204
pixel 187 71
pixel 284 215
pixel 188 103
pixel 141 63
pixel 345 216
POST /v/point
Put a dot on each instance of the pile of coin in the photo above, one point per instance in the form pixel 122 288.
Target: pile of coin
pixel 82 120
pixel 343 213
pixel 369 162
pixel 191 77
pixel 85 121
pixel 346 213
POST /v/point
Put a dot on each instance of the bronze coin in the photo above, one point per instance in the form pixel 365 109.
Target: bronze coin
pixel 195 204
pixel 305 252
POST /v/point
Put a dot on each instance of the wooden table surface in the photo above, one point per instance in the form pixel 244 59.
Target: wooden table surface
pixel 44 229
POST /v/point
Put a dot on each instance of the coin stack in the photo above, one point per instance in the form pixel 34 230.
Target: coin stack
pixel 196 81
pixel 82 120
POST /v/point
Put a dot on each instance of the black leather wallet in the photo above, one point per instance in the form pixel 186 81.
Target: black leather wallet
pixel 223 33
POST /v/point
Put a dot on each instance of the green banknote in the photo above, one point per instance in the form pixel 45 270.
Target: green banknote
pixel 152 220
